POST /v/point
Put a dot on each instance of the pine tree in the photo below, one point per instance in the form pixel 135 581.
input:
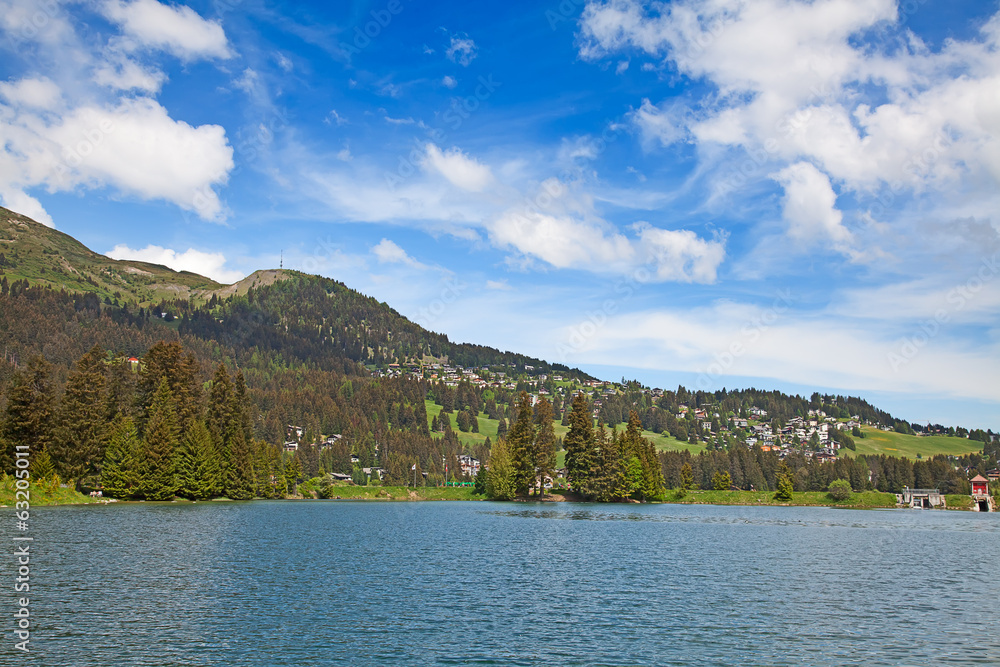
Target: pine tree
pixel 784 483
pixel 79 449
pixel 118 473
pixel 501 474
pixel 520 441
pixel 156 465
pixel 197 464
pixel 579 444
pixel 167 361
pixel 30 412
pixel 721 480
pixel 240 484
pixel 42 468
pixel 293 473
pixel 687 477
pixel 543 450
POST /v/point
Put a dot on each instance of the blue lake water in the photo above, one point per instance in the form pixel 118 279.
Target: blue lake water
pixel 450 583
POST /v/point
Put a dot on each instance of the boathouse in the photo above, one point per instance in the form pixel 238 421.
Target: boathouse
pixel 981 499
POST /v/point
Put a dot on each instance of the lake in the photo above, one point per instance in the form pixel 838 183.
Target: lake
pixel 466 583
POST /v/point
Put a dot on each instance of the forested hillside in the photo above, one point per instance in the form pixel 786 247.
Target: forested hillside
pixel 148 382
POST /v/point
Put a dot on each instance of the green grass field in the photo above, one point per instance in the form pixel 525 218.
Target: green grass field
pixel 39 496
pixel 488 428
pixel 867 499
pixel 898 444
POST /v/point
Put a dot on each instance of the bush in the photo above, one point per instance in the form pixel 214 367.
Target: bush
pixel 840 490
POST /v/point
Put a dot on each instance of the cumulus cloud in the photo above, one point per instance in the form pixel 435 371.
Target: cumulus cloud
pixel 176 29
pixel 811 82
pixel 566 233
pixel 387 252
pixel 35 93
pixel 136 147
pixel 462 50
pixel 210 264
pixel 449 82
pixel 811 206
pixel 87 118
pixel 460 170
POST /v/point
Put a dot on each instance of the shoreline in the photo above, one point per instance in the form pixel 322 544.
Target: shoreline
pixel 863 500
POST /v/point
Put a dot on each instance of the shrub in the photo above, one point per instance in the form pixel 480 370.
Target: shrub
pixel 840 490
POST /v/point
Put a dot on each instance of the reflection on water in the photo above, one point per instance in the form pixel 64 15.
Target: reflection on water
pixel 273 583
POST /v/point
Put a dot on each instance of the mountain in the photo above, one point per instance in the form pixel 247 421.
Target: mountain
pixel 303 318
pixel 45 256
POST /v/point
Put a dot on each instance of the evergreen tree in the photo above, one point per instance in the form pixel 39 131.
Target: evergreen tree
pixel 579 445
pixel 30 412
pixel 520 441
pixel 156 464
pixel 241 481
pixel 543 450
pixel 293 473
pixel 118 473
pixel 502 474
pixel 197 464
pixel 784 483
pixel 721 480
pixel 167 361
pixel 687 477
pixel 42 468
pixel 83 429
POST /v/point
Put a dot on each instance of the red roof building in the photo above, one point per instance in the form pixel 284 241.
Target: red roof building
pixel 980 486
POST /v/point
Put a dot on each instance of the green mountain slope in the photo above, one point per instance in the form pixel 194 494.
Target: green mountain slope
pixel 45 256
pixel 307 318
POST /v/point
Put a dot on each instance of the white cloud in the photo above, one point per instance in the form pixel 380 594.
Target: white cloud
pixel 667 126
pixel 38 93
pixel 500 285
pixel 462 50
pixel 811 206
pixel 734 340
pixel 388 252
pixel 133 146
pixel 176 29
pixel 344 154
pixel 449 82
pixel 283 62
pixel 25 204
pixel 461 170
pixel 812 82
pixel 399 121
pixel 125 74
pixel 210 264
pixel 566 233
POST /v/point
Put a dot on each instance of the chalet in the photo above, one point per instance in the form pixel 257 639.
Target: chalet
pixel 291 446
pixel 993 475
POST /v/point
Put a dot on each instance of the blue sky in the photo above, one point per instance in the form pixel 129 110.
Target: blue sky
pixel 723 193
